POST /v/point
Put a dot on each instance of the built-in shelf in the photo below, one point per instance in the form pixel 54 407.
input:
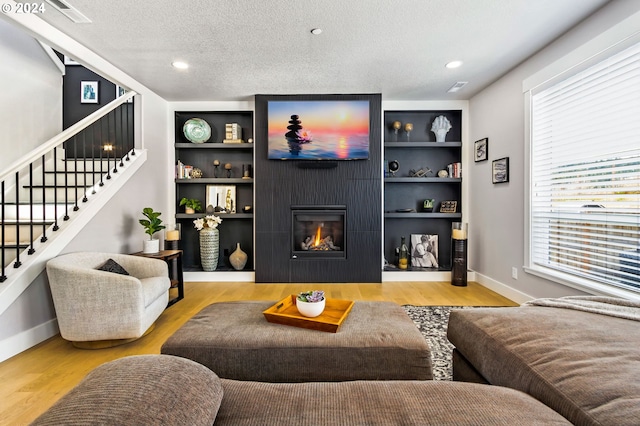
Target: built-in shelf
pixel 221 181
pixel 405 196
pixel 214 145
pixel 421 180
pixel 422 144
pixel 222 215
pixel 235 227
pixel 419 215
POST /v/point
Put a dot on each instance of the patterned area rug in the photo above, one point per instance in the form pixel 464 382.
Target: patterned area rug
pixel 432 322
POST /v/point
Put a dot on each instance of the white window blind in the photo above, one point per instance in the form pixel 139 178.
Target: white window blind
pixel 585 173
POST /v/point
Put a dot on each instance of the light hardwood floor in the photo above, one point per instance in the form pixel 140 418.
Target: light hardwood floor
pixel 33 380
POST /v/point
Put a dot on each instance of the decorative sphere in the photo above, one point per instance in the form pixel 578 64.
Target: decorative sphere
pixel 216 162
pixel 408 127
pixel 227 166
pixel 196 173
pixel 397 125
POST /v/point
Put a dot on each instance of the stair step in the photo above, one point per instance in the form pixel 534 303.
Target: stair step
pixel 11 211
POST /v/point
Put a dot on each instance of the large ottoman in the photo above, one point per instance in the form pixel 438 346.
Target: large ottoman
pixel 377 341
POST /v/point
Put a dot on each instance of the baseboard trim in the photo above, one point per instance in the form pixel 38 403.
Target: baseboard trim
pixel 18 343
pixel 502 289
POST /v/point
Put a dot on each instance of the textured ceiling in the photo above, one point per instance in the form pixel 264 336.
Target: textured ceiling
pixel 239 48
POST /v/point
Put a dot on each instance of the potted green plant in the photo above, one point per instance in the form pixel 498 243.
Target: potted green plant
pixel 151 224
pixel 191 205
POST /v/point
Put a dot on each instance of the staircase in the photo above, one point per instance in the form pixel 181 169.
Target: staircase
pixel 58 187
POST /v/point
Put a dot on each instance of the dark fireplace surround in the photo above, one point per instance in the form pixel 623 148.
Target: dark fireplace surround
pixel 297 198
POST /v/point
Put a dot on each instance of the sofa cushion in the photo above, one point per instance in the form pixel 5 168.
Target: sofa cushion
pixel 379 403
pixel 583 365
pixel 140 390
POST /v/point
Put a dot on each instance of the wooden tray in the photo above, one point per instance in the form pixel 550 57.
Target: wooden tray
pixel 285 312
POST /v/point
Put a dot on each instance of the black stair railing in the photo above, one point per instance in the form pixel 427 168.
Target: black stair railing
pixel 110 128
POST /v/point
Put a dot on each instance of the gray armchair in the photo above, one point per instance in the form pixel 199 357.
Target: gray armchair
pixel 98 309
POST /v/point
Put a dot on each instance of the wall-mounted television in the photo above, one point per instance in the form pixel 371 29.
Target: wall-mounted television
pixel 318 129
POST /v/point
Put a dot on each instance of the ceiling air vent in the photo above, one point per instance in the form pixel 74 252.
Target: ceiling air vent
pixel 457 86
pixel 69 11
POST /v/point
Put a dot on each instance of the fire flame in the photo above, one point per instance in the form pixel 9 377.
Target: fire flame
pixel 316 242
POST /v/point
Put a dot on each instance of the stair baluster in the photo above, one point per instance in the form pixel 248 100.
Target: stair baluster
pixel 17 263
pixel 31 238
pixel 93 157
pixel 66 185
pixel 84 167
pixel 114 145
pixel 3 275
pixel 75 172
pixel 122 139
pixel 55 190
pixel 43 239
pixel 108 146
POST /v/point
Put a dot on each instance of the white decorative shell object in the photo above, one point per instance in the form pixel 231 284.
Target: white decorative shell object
pixel 441 127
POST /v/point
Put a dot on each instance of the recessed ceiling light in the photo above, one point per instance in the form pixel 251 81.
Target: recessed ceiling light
pixel 453 64
pixel 180 65
pixel 316 31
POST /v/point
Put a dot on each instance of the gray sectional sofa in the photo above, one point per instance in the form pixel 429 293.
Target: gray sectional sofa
pixel 169 390
pixel 584 365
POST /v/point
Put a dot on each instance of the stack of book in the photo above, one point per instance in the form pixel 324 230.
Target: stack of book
pixel 455 170
pixel 233 133
pixel 183 171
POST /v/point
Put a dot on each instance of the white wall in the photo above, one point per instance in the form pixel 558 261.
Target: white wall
pixel 497 211
pixel 31 88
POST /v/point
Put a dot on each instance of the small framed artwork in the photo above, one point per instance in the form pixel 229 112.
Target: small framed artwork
pixel 89 92
pixel 70 61
pixel 120 91
pixel 500 170
pixel 448 206
pixel 424 251
pixel 222 198
pixel 481 150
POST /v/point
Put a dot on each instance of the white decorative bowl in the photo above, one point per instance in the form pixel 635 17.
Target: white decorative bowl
pixel 310 309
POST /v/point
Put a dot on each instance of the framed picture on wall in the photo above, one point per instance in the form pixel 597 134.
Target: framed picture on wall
pixel 121 91
pixel 500 170
pixel 222 198
pixel 481 150
pixel 70 61
pixel 89 92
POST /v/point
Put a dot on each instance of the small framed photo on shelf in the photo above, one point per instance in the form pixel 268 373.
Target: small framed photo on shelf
pixel 424 251
pixel 500 170
pixel 222 198
pixel 481 150
pixel 448 206
pixel 89 92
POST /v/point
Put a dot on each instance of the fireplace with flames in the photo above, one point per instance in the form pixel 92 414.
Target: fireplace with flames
pixel 318 231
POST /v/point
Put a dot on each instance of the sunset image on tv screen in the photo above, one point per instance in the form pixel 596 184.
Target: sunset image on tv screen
pixel 318 130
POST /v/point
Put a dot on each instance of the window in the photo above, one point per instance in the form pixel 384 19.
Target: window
pixel 584 175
